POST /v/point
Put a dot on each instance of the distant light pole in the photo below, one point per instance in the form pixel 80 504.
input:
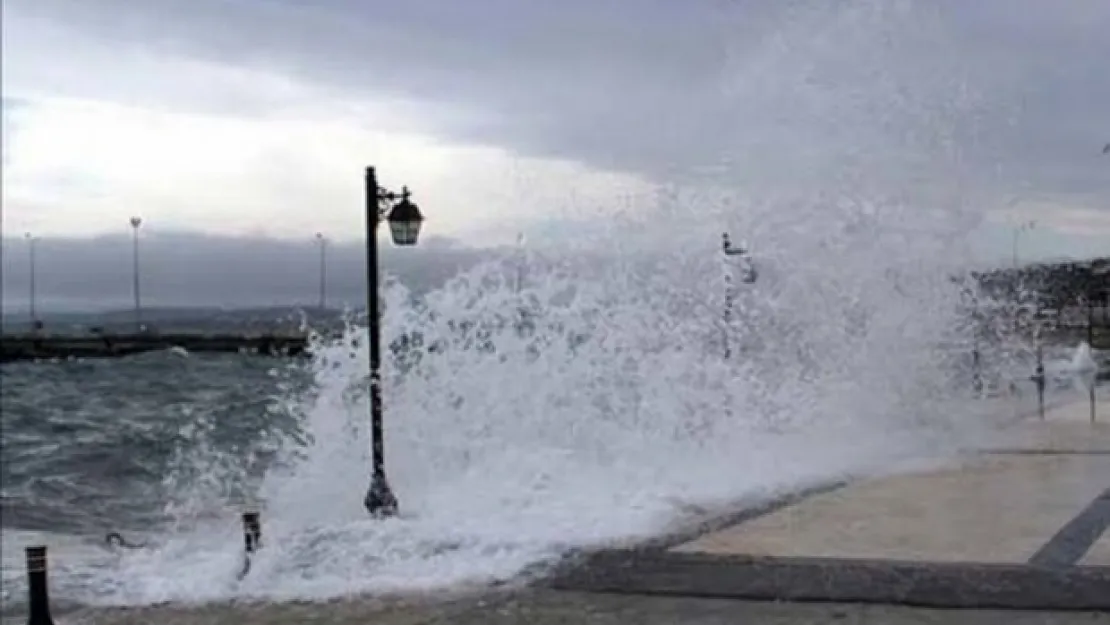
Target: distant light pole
pixel 31 241
pixel 136 222
pixel 323 242
pixel 520 269
pixel 404 224
pixel 1025 227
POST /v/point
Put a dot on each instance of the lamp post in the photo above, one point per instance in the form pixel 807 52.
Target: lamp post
pixel 404 225
pixel 31 240
pixel 520 269
pixel 323 242
pixel 136 222
pixel 748 276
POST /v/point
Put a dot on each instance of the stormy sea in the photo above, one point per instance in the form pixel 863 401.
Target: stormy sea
pixel 525 424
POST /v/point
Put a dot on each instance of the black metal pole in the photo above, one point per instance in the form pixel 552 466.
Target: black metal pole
pixel 31 253
pixel 38 604
pixel 1040 381
pixel 1091 321
pixel 523 259
pixel 135 273
pixel 252 531
pixel 1091 392
pixel 976 373
pixel 323 273
pixel 380 501
pixel 728 295
pixel 749 277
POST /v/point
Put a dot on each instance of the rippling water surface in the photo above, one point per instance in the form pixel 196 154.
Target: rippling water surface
pixel 87 444
pixel 127 444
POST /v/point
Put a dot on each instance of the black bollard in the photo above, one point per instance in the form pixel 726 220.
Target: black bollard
pixel 252 539
pixel 1091 390
pixel 252 532
pixel 38 608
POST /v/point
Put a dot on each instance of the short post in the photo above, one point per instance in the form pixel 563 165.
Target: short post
pixel 1091 391
pixel 1039 380
pixel 252 539
pixel 1089 375
pixel 38 607
pixel 252 531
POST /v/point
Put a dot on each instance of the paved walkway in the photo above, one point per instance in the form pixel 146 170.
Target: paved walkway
pixel 1020 525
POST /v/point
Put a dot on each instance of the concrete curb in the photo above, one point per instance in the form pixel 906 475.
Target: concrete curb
pixel 739 514
pixel 540 574
pixel 922 584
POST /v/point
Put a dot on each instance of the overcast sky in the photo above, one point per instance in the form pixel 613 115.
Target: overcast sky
pixel 254 118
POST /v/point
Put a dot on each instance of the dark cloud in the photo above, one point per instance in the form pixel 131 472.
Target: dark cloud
pixel 187 269
pixel 1014 91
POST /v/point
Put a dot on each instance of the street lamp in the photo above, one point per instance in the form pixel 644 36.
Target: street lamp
pixel 135 223
pixel 31 240
pixel 404 226
pixel 323 242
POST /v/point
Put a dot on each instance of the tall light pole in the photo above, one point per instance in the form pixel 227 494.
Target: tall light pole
pixel 136 222
pixel 32 275
pixel 323 243
pixel 748 276
pixel 1025 227
pixel 404 225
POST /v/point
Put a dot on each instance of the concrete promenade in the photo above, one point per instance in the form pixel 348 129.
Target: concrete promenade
pixel 1017 533
pixel 1021 524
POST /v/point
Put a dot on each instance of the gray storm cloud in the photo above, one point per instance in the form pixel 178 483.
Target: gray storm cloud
pixel 1013 94
pixel 1017 88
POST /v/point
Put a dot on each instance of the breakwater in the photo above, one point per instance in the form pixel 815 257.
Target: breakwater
pixel 22 347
